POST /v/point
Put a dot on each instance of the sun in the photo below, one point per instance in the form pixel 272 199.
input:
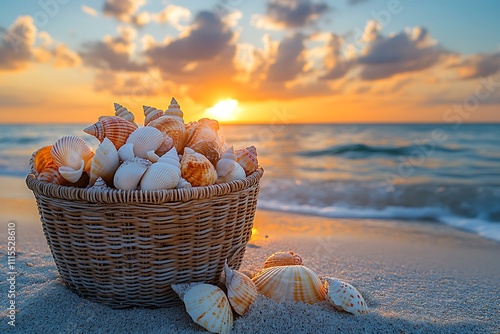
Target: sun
pixel 225 110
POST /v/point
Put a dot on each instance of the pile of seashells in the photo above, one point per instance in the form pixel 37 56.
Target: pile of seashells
pixel 283 278
pixel 130 157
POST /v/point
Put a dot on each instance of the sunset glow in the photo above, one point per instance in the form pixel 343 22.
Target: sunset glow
pixel 224 111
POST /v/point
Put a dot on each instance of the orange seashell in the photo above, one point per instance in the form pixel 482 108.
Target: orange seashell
pixel 197 169
pixel 247 158
pixel 114 128
pixel 205 140
pixel 151 113
pixel 173 127
pixel 50 174
pixel 283 259
pixel 41 159
pixel 241 290
pixel 290 283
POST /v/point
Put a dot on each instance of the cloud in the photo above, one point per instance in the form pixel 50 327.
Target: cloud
pixel 290 59
pixel 479 65
pixel 173 15
pixel 17 45
pixel 64 57
pixel 89 10
pixel 122 10
pixel 115 53
pixel 282 14
pixel 335 63
pixel 356 2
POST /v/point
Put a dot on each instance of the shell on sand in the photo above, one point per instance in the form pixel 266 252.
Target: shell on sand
pixel 241 290
pixel 283 259
pixel 343 296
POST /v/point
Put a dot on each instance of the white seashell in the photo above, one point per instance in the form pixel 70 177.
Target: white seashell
pixel 70 174
pixel 183 184
pixel 99 184
pixel 283 259
pixel 145 139
pixel 290 283
pixel 69 151
pixel 126 152
pixel 105 162
pixel 174 109
pixel 129 174
pixel 152 156
pixel 150 114
pixel 207 305
pixel 241 290
pixel 343 296
pixel 164 174
pixel 228 169
pixel 123 112
pixel 166 146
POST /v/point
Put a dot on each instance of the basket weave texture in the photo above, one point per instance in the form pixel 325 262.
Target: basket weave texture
pixel 125 248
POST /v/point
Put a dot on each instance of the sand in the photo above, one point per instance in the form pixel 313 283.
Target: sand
pixel 416 278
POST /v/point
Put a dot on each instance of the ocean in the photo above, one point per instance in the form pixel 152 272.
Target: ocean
pixel 437 173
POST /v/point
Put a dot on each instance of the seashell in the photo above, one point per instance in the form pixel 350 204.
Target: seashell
pixel 164 174
pixel 197 169
pixel 50 174
pixel 72 174
pixel 41 159
pixel 151 113
pixel 343 296
pixel 123 112
pixel 183 184
pixel 228 169
pixel 104 163
pixel 129 174
pixel 114 128
pixel 173 127
pixel 190 128
pixel 247 158
pixel 241 290
pixel 166 146
pixel 69 151
pixel 152 156
pixel 283 259
pixel 204 139
pixel 145 139
pixel 290 283
pixel 207 305
pixel 174 110
pixel 126 152
pixel 99 184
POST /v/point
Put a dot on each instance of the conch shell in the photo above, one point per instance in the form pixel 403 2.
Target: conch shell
pixel 247 158
pixel 197 169
pixel 124 113
pixel 145 139
pixel 174 109
pixel 99 184
pixel 283 259
pixel 72 155
pixel 241 290
pixel 129 174
pixel 290 283
pixel 114 128
pixel 150 114
pixel 104 163
pixel 164 174
pixel 173 126
pixel 228 169
pixel 205 140
pixel 207 305
pixel 343 296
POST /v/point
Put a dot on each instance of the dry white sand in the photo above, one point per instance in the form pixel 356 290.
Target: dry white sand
pixel 415 277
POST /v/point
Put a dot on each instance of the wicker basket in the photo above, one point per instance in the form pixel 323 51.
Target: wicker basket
pixel 126 248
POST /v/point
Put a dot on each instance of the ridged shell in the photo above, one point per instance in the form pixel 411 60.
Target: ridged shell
pixel 50 174
pixel 183 184
pixel 150 114
pixel 129 174
pixel 114 128
pixel 72 175
pixel 69 151
pixel 173 127
pixel 283 259
pixel 205 140
pixel 228 169
pixel 241 290
pixel 145 139
pixel 343 296
pixel 41 159
pixel 164 174
pixel 174 109
pixel 207 305
pixel 126 152
pixel 247 158
pixel 290 283
pixel 99 184
pixel 104 163
pixel 196 169
pixel 124 113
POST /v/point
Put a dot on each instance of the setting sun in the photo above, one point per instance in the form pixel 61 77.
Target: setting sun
pixel 224 111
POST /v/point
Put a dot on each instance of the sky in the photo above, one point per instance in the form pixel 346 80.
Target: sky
pixel 271 61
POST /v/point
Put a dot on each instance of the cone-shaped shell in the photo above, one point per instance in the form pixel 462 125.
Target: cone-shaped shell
pixel 150 114
pixel 69 151
pixel 241 290
pixel 196 169
pixel 228 169
pixel 164 174
pixel 51 175
pixel 104 163
pixel 207 305
pixel 129 174
pixel 99 184
pixel 174 128
pixel 41 159
pixel 174 109
pixel 124 113
pixel 72 174
pixel 114 128
pixel 183 184
pixel 247 158
pixel 343 296
pixel 290 283
pixel 145 139
pixel 283 259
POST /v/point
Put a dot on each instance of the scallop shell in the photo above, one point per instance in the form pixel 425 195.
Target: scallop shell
pixel 207 305
pixel 69 151
pixel 104 163
pixel 151 113
pixel 205 140
pixel 228 169
pixel 174 109
pixel 343 296
pixel 173 127
pixel 126 152
pixel 247 158
pixel 50 174
pixel 114 128
pixel 145 139
pixel 290 283
pixel 72 174
pixel 164 174
pixel 129 174
pixel 124 113
pixel 283 259
pixel 196 169
pixel 41 159
pixel 241 290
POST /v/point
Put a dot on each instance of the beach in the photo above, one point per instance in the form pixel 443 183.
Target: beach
pixel 416 277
